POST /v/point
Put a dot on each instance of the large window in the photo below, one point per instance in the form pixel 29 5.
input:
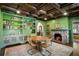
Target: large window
pixel 76 27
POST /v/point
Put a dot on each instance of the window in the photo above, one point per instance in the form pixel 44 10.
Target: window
pixel 76 27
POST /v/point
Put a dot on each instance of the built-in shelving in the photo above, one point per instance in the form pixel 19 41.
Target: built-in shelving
pixel 16 28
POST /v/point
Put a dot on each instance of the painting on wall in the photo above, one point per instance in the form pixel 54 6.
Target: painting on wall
pixel 40 29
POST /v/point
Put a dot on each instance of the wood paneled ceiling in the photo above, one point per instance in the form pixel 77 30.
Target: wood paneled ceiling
pixel 43 10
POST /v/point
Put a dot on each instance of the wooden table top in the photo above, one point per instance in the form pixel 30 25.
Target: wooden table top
pixel 39 38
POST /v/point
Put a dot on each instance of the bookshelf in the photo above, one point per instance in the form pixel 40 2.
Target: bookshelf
pixel 17 28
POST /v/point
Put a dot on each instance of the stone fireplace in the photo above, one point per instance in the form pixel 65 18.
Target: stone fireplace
pixel 60 35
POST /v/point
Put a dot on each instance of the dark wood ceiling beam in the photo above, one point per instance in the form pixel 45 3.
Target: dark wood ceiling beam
pixel 52 11
pixel 71 6
pixel 76 8
pixel 46 7
pixel 74 11
pixel 65 5
pixel 9 8
pixel 58 15
pixel 40 6
pixel 13 9
pixel 34 4
pixel 58 8
pixel 29 8
pixel 58 5
pixel 49 10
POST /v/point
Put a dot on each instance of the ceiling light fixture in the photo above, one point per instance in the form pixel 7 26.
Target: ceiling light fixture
pixel 65 13
pixel 18 11
pixel 45 18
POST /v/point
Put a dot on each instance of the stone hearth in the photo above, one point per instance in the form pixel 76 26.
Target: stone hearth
pixel 60 35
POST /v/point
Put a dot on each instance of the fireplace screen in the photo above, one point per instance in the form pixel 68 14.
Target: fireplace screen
pixel 58 37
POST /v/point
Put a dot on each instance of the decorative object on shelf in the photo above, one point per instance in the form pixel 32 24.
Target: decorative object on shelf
pixel 29 24
pixel 33 28
pixel 48 32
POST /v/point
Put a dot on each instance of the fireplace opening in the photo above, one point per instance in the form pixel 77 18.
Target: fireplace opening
pixel 58 37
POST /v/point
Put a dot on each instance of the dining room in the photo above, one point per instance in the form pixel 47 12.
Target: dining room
pixel 37 29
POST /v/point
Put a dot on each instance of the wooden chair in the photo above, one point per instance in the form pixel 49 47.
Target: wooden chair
pixel 44 45
pixel 33 44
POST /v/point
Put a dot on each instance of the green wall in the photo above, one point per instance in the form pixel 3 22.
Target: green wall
pixel 25 31
pixel 1 30
pixel 63 22
pixel 70 30
pixel 28 29
pixel 75 17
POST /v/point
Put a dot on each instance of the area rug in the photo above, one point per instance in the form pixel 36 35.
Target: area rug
pixel 55 49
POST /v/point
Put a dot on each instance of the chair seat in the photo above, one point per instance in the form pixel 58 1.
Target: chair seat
pixel 45 45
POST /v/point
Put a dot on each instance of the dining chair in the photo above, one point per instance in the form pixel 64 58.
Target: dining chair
pixel 33 44
pixel 45 45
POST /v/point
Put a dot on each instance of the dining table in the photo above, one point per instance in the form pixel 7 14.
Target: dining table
pixel 39 41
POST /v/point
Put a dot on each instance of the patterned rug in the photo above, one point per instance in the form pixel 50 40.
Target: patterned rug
pixel 27 50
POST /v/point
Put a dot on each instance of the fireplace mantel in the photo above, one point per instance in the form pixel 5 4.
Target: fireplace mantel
pixel 63 32
pixel 60 30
